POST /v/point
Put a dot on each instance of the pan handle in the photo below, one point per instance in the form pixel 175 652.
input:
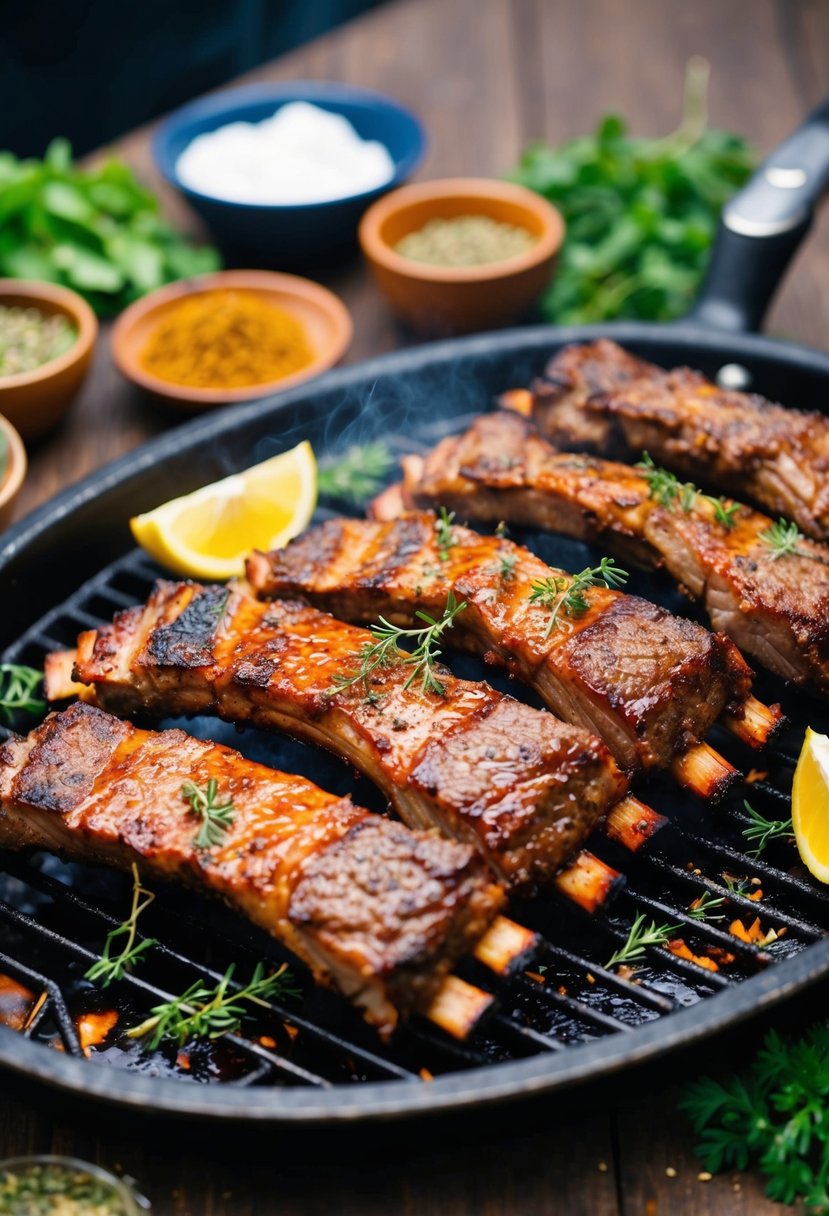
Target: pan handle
pixel 762 226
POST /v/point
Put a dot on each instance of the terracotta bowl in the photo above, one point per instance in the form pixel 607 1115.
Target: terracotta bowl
pixel 438 300
pixel 14 471
pixel 36 401
pixel 324 317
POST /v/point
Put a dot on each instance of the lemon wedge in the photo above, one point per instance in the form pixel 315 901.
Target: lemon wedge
pixel 208 534
pixel 810 804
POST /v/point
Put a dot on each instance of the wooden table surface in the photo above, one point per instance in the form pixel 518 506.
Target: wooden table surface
pixel 486 76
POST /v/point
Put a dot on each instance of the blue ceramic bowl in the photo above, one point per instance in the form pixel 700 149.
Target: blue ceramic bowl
pixel 293 234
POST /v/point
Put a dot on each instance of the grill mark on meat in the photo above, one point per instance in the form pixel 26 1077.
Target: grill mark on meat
pixel 509 808
pixel 376 910
pixel 649 683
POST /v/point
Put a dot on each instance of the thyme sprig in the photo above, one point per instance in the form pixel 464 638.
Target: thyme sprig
pixel 114 966
pixel 17 690
pixel 216 817
pixel 560 593
pixel 666 489
pixel 782 538
pixel 357 474
pixel 445 537
pixel 640 937
pixel 702 907
pixel 762 831
pixel 208 1013
pixel 774 1114
pixel 386 650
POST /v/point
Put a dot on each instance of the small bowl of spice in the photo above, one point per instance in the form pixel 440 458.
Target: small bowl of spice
pixel 47 336
pixel 232 336
pixel 461 254
pixel 64 1186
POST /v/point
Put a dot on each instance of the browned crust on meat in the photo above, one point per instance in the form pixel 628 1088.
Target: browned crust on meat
pixel 379 911
pixel 277 664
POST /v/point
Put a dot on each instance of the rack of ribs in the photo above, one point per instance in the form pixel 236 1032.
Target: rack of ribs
pixel 377 911
pixel 599 398
pixel 481 767
pixel 774 606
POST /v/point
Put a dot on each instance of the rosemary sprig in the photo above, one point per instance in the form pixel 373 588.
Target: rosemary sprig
pixel 17 689
pixel 665 488
pixel 562 594
pixel 357 474
pixel 640 937
pixel 702 907
pixel 762 831
pixel 208 1013
pixel 386 650
pixel 782 538
pixel 113 967
pixel 216 817
pixel 444 534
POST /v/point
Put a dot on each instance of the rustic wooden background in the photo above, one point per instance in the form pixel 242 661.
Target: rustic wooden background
pixel 486 76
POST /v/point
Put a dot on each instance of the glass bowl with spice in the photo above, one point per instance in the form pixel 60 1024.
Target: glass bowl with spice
pixel 65 1186
pixel 461 254
pixel 47 336
pixel 231 336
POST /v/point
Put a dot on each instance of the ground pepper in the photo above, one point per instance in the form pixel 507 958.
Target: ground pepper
pixel 226 339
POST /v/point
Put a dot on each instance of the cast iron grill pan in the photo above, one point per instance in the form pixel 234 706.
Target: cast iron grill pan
pixel 563 1019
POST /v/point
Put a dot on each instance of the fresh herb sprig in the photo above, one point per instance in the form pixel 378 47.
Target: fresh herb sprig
pixel 18 685
pixel 559 593
pixel 216 817
pixel 386 650
pixel 444 536
pixel 782 539
pixel 761 831
pixel 772 1114
pixel 640 214
pixel 356 475
pixel 639 939
pixel 506 565
pixel 208 1013
pixel 703 907
pixel 111 966
pixel 666 489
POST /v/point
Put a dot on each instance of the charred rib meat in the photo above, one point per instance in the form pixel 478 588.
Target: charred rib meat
pixel 600 398
pixel 524 788
pixel 375 910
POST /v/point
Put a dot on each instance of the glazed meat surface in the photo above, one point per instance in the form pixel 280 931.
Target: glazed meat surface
pixel 600 398
pixel 776 609
pixel 375 910
pixel 480 766
pixel 649 683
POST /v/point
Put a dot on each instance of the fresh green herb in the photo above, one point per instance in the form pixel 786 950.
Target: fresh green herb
pixel 216 817
pixel 357 474
pixel 17 689
pixel 502 529
pixel 762 831
pixel 95 230
pixel 773 1114
pixel 736 886
pixel 640 214
pixel 506 565
pixel 559 593
pixel 665 488
pixel 702 908
pixel 52 1187
pixel 640 937
pixel 109 967
pixel 386 650
pixel 443 531
pixel 782 538
pixel 208 1013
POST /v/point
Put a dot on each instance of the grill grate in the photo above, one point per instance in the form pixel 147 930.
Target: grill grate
pixel 54 918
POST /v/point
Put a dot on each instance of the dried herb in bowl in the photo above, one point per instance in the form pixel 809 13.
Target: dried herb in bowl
pixel 61 1186
pixel 30 338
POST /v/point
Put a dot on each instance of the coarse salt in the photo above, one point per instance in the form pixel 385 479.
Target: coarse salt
pixel 302 154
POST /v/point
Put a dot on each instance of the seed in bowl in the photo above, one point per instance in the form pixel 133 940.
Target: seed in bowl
pixel 30 338
pixel 58 1189
pixel 226 339
pixel 465 240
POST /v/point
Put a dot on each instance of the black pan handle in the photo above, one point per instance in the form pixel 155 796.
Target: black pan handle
pixel 762 226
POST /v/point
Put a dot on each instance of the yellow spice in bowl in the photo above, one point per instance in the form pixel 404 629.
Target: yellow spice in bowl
pixel 226 339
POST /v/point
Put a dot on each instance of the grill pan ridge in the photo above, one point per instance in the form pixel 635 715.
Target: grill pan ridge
pixel 580 1021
